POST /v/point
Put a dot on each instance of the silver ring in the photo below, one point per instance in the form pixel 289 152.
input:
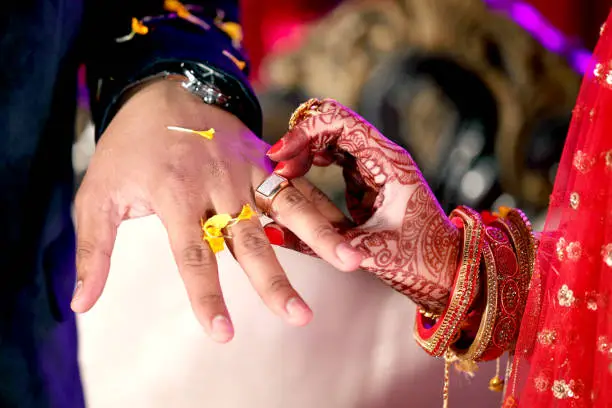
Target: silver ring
pixel 267 191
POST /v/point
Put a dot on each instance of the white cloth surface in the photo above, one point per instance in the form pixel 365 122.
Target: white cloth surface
pixel 141 346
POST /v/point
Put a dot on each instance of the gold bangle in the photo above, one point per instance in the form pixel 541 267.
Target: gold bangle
pixel 436 340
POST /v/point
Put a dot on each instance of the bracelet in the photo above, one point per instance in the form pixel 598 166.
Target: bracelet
pixel 435 337
pixel 496 325
pixel 515 224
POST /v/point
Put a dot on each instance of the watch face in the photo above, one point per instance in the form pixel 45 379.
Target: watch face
pixel 209 93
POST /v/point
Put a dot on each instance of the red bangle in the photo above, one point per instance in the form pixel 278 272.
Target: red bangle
pixel 435 337
pixel 517 227
pixel 497 326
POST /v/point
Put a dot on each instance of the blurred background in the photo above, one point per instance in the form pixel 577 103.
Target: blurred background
pixel 480 92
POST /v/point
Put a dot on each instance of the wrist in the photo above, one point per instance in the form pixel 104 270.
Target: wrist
pixel 211 86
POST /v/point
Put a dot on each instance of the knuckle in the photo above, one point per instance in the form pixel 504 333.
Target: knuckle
pixel 291 200
pixel 278 283
pixel 181 165
pixel 318 197
pixel 85 249
pixel 323 232
pixel 218 168
pixel 196 255
pixel 254 243
pixel 212 299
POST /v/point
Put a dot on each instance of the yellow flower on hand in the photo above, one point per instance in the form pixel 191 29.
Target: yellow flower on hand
pixel 213 227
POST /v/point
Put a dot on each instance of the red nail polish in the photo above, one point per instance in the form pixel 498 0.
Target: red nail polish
pixel 279 167
pixel 275 235
pixel 276 147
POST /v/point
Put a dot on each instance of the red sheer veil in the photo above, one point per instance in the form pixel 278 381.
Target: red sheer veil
pixel 564 352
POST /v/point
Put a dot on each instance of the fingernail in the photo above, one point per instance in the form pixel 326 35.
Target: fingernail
pixel 77 290
pixel 275 235
pixel 347 254
pixel 297 310
pixel 276 147
pixel 221 329
pixel 279 167
pixel 75 296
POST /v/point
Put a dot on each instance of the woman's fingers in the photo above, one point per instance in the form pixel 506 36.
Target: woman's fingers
pixel 296 166
pixel 335 128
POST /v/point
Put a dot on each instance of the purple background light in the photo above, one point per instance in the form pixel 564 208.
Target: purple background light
pixel 527 17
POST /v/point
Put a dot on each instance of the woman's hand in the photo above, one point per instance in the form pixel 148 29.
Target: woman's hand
pixel 141 168
pixel 406 238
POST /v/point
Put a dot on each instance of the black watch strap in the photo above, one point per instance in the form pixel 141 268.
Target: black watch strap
pixel 211 85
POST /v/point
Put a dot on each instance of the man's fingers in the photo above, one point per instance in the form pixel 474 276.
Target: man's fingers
pixel 253 251
pixel 322 203
pixel 291 209
pixel 278 235
pixel 197 266
pixel 96 232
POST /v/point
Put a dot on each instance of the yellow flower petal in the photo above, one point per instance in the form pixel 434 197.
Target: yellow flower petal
pixel 233 30
pixel 504 211
pixel 217 244
pixel 212 227
pixel 246 213
pixel 138 27
pixel 176 6
pixel 208 134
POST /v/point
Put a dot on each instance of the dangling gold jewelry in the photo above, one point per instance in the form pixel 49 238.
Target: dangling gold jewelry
pixel 448 360
pixel 496 384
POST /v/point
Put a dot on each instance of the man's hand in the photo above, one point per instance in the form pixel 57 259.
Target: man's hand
pixel 141 168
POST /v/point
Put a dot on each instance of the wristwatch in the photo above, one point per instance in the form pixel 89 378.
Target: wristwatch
pixel 210 85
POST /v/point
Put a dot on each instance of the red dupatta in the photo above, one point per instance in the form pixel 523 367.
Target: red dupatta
pixel 564 352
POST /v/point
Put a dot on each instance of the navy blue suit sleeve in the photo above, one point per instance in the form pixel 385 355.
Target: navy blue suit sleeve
pixel 206 32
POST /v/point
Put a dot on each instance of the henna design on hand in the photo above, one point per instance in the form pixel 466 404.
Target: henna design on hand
pixel 411 245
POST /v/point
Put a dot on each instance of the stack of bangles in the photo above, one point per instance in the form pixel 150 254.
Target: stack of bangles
pixel 482 319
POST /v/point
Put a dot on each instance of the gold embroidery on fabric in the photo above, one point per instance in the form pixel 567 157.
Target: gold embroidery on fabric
pixel 582 162
pixel 591 301
pixel 574 251
pixel 606 253
pixel 563 390
pixel 547 337
pixel 603 346
pixel 541 383
pixel 574 200
pixel 608 158
pixel 561 243
pixel 565 296
pixel 599 68
pixel 609 78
